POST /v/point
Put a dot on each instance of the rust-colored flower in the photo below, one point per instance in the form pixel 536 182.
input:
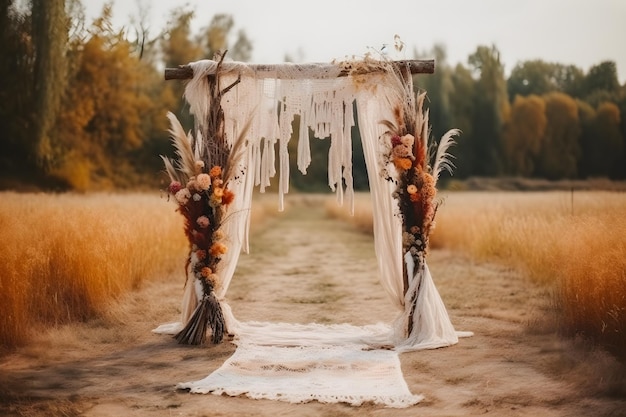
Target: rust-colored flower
pixel 227 197
pixel 218 249
pixel 414 197
pixel 216 171
pixel 201 254
pixel 428 189
pixel 206 271
pixel 403 164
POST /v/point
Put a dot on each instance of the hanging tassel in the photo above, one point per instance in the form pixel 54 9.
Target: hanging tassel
pixel 208 314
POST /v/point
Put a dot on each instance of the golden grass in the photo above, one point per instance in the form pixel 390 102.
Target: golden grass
pixel 66 257
pixel 574 241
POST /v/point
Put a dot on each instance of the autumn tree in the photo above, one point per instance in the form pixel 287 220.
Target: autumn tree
pixel 560 150
pixel 50 31
pixel 523 133
pixel 105 111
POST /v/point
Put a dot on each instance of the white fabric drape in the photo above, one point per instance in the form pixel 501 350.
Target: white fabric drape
pixel 325 107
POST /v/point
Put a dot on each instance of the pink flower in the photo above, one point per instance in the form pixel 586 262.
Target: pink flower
pixel 203 222
pixel 175 187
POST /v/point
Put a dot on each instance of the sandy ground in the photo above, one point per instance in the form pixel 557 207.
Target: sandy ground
pixel 306 268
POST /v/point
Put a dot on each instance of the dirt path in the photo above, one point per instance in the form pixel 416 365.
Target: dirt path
pixel 307 268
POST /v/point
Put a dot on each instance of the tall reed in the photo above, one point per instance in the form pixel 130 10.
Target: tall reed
pixel 573 241
pixel 65 257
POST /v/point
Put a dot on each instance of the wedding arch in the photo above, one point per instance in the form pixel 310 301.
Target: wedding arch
pixel 242 113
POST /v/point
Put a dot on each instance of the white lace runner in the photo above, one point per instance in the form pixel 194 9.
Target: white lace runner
pixel 347 371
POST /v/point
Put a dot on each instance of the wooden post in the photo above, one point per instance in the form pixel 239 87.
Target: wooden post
pixel 298 71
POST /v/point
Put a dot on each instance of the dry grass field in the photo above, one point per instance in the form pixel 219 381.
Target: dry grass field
pixel 117 260
pixel 67 257
pixel 572 242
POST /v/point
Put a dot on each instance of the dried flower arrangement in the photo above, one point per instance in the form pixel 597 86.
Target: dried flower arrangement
pixel 200 175
pixel 407 163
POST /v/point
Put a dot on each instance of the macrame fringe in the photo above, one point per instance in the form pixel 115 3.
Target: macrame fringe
pixel 208 314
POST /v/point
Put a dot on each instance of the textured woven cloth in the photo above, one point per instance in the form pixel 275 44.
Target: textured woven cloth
pixel 325 372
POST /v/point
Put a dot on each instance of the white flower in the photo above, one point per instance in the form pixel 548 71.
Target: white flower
pixel 182 196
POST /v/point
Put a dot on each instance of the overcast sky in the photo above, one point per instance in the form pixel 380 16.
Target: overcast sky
pixel 579 32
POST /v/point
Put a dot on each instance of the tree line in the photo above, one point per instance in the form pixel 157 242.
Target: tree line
pixel 83 104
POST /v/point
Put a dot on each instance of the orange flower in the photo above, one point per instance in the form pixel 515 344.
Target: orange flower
pixel 206 271
pixel 218 192
pixel 402 164
pixel 216 171
pixel 212 280
pixel 227 197
pixel 218 249
pixel 428 190
pixel 411 189
pixel 414 197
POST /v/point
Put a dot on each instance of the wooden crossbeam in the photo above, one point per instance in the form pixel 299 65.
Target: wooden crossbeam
pixel 299 71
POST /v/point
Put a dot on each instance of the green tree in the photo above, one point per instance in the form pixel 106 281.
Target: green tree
pixel 217 37
pixel 439 90
pixel 523 133
pixel 539 77
pixel 491 108
pixel 16 94
pixel 560 150
pixel 461 113
pixel 179 48
pixel 602 77
pixel 531 77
